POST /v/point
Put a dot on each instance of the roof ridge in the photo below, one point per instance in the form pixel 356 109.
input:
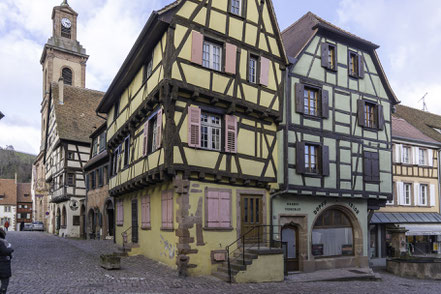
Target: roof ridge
pixel 297 21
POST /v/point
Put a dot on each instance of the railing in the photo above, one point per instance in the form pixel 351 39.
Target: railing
pixel 125 236
pixel 258 237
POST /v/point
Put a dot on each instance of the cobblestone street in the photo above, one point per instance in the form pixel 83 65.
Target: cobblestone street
pixel 47 264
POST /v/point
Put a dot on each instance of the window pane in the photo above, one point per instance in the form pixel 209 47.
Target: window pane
pixel 204 137
pixel 206 55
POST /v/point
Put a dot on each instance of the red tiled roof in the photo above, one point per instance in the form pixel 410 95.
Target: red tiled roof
pixel 8 192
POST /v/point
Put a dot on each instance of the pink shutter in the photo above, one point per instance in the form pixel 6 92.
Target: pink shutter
pixel 147 217
pixel 158 129
pixel 230 133
pixel 145 135
pixel 145 212
pixel 196 48
pixel 170 210
pixel 264 70
pixel 224 209
pixel 230 58
pixel 212 209
pixel 194 126
pixel 164 209
pixel 120 212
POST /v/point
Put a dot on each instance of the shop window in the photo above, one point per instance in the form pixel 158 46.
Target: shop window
pixel 332 234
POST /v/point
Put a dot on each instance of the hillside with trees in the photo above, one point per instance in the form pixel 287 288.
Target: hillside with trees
pixel 12 162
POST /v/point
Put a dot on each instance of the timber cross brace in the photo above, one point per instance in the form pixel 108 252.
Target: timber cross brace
pixel 185 223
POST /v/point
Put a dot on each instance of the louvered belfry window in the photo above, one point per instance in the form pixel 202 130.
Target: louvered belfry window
pixel 65 32
pixel 66 73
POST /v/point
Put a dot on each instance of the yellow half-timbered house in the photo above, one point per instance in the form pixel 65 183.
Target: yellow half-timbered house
pixel 192 121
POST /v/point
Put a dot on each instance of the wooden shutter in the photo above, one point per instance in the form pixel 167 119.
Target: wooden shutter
pixel 300 99
pixel 170 210
pixel 224 209
pixel 429 157
pixel 360 112
pixel 145 139
pixel 300 157
pixel 196 47
pixel 159 129
pixel 360 66
pixel 432 195
pixel 367 166
pixel 145 212
pixel 230 58
pixel 119 213
pixel 264 71
pixel 325 53
pixel 212 209
pixel 325 160
pixel 416 193
pixel 380 117
pixel 194 126
pixel 416 155
pixel 396 152
pixel 164 209
pixel 375 166
pixel 230 133
pixel 325 103
pixel 400 193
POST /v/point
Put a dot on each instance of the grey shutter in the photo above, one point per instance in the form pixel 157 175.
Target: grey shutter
pixel 380 117
pixel 325 53
pixel 325 103
pixel 360 66
pixel 367 166
pixel 300 89
pixel 300 157
pixel 375 167
pixel 325 160
pixel 360 109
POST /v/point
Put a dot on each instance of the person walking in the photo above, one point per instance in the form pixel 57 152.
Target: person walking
pixel 6 225
pixel 5 261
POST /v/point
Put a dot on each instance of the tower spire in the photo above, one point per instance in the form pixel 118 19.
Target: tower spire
pixel 64 3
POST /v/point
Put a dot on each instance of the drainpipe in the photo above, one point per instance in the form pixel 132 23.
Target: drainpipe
pixel 439 177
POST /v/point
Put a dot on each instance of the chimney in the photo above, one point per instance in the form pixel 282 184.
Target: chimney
pixel 61 90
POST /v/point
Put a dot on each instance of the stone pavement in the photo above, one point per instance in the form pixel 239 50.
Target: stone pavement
pixel 44 263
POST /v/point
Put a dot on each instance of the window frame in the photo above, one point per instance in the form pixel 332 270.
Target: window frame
pixel 253 78
pixel 126 151
pixel 148 69
pixel 102 142
pixel 240 8
pixel 409 154
pixel 317 101
pixel 212 44
pixel 308 162
pixel 422 154
pixel 210 127
pixel 329 56
pixel 68 183
pixel 67 75
pixel 370 115
pixel 425 193
pixel 410 186
pixel 353 64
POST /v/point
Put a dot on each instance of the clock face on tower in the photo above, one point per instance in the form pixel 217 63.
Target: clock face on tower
pixel 65 22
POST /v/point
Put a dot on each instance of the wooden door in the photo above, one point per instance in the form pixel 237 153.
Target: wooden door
pixel 135 221
pixel 290 235
pixel 251 216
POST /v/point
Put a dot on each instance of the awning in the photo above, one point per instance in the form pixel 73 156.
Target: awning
pixel 405 218
pixel 423 229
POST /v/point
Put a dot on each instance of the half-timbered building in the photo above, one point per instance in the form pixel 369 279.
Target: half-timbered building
pixel 191 129
pixel 415 206
pixel 68 118
pixel 335 162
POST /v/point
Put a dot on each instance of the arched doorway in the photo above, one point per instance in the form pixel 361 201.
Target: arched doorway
pixel 91 221
pixel 333 234
pixel 83 222
pixel 290 236
pixel 109 219
pixel 58 220
pixel 63 217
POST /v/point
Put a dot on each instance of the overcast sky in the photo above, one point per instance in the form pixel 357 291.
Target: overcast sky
pixel 407 32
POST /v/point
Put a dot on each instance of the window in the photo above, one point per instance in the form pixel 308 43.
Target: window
pixel 100 177
pixel 115 160
pixel 252 70
pixel 116 110
pixel 329 56
pixel 210 131
pixel 407 194
pixel 312 159
pixel 102 142
pixel 406 154
pixel 311 152
pixel 236 7
pixel 152 126
pixel 71 179
pixel 422 156
pixel 370 115
pixel 145 212
pixel 126 151
pixel 167 210
pixel 7 208
pixel 423 194
pixel 311 100
pixel 93 180
pixel 218 208
pixel 148 69
pixel 356 65
pixel 119 213
pixel 28 216
pixel 70 155
pixel 76 220
pixel 371 166
pixel 332 234
pixel 391 201
pixel 212 56
pixel 60 181
pixel 94 146
pixel 66 73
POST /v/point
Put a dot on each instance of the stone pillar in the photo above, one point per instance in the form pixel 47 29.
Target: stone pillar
pixel 398 241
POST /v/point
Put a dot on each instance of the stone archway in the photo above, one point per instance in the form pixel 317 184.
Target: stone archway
pixel 91 223
pixel 57 220
pixel 63 217
pixel 109 218
pixel 83 222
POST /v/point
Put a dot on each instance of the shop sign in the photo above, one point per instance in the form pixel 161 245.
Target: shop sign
pixel 354 208
pixel 317 249
pixel 320 207
pixel 292 206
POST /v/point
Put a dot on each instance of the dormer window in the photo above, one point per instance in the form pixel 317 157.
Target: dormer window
pixel 66 73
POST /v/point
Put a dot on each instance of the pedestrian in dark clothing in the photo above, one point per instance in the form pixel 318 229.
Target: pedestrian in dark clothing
pixel 6 225
pixel 5 261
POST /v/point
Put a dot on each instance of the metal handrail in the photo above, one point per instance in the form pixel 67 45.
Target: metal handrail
pixel 251 242
pixel 125 236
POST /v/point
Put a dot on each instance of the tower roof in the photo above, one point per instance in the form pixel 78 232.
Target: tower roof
pixel 64 3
